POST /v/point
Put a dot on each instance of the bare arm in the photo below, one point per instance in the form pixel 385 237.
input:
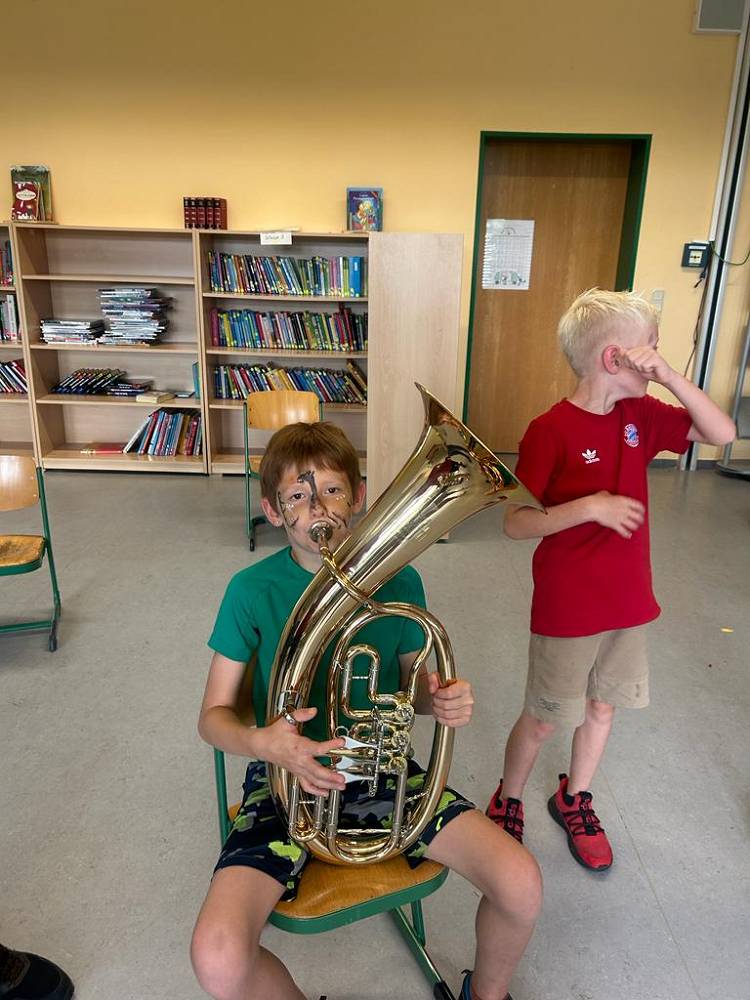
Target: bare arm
pixel 622 514
pixel 452 705
pixel 219 722
pixel 710 424
pixel 221 725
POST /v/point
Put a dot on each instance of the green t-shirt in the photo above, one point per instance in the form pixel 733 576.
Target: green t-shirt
pixel 257 605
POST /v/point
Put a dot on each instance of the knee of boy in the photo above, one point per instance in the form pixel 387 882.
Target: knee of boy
pixel 222 963
pixel 529 890
pixel 517 890
pixel 542 730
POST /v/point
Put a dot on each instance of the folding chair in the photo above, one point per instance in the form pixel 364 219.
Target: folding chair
pixel 331 896
pixel 22 485
pixel 269 411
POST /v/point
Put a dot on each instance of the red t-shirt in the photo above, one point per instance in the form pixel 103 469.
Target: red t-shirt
pixel 589 579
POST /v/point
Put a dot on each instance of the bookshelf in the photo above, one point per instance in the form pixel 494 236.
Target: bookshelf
pixel 61 269
pixel 224 417
pixel 16 422
pixel 412 307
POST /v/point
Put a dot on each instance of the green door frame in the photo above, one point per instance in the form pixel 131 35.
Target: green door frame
pixel 631 222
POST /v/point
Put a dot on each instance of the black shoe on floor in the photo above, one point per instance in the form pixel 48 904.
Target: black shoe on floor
pixel 24 976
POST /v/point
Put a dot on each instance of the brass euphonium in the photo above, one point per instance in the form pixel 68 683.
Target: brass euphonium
pixel 450 476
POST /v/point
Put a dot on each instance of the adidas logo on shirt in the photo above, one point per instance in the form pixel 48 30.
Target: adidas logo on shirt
pixel 590 456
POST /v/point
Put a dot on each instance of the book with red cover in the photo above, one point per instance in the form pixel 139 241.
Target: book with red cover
pixel 26 206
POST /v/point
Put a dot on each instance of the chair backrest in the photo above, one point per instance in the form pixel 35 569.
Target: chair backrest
pixel 18 482
pixel 275 408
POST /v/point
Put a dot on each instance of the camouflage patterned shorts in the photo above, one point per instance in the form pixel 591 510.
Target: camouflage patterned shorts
pixel 258 839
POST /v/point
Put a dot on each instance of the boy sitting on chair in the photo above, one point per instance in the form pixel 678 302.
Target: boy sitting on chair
pixel 308 473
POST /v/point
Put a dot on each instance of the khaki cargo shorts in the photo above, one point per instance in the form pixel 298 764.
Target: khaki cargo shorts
pixel 564 672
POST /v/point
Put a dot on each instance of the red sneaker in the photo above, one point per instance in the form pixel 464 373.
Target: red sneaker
pixel 507 813
pixel 586 839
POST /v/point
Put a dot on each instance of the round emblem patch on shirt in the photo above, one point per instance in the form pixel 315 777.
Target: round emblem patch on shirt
pixel 631 436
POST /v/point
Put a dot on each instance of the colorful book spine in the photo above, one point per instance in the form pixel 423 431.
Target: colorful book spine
pixel 248 274
pixel 329 384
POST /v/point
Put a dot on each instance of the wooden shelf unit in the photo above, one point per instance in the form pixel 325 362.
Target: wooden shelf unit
pixel 61 269
pixel 224 416
pixel 412 305
pixel 16 419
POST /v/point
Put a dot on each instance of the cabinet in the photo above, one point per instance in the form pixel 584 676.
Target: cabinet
pixel 409 297
pixel 224 417
pixel 61 269
pixel 16 428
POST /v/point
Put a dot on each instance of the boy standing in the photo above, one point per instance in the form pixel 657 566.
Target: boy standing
pixel 310 472
pixel 586 459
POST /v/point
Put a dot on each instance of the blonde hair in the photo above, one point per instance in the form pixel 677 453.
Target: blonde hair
pixel 586 323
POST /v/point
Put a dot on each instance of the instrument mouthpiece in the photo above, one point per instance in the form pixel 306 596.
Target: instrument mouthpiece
pixel 321 531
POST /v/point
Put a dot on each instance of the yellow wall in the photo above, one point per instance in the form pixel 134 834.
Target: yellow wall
pixel 277 107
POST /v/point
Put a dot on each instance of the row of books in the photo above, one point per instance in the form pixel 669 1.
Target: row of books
pixel 6 264
pixel 168 432
pixel 13 377
pixel 205 213
pixel 9 327
pixel 246 274
pixel 329 384
pixel 289 331
pixel 100 382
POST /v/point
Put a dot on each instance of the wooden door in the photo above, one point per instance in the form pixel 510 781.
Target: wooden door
pixel 575 191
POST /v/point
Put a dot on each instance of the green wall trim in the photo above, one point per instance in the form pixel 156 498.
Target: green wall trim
pixel 631 223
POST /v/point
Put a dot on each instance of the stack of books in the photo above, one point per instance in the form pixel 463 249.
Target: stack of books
pixel 330 385
pixel 289 331
pixel 245 274
pixel 133 315
pixel 9 329
pixel 6 264
pixel 13 377
pixel 100 382
pixel 168 432
pixel 72 331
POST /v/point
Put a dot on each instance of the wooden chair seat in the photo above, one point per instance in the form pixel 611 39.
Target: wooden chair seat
pixel 326 889
pixel 21 553
pixel 337 894
pixel 21 486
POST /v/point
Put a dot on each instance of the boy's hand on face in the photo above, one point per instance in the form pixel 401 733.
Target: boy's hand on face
pixel 453 705
pixel 296 753
pixel 622 514
pixel 646 361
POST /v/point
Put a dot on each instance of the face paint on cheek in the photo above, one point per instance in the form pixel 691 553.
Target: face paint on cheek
pixel 342 516
pixel 287 512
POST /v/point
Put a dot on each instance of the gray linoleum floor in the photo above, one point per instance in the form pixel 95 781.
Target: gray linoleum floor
pixel 107 816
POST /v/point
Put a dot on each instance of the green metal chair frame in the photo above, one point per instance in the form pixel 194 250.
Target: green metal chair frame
pixel 25 465
pixel 279 407
pixel 412 929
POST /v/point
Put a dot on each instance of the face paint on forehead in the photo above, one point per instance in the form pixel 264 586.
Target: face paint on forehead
pixel 309 478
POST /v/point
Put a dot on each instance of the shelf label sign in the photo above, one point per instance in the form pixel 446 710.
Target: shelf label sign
pixel 276 238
